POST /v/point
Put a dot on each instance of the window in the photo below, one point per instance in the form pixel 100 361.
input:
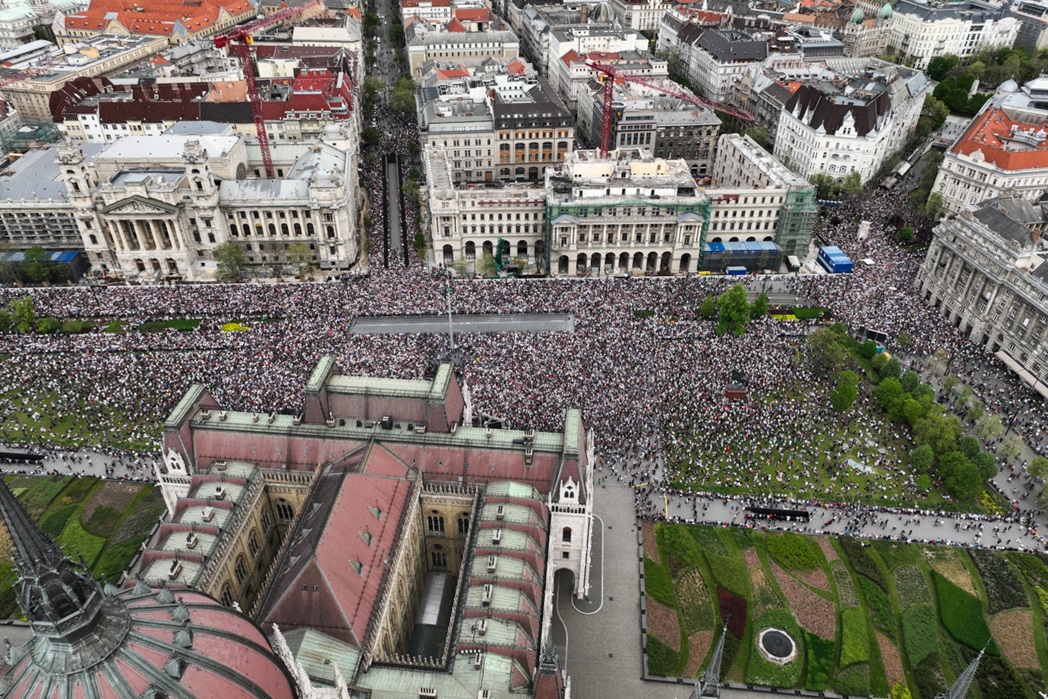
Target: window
pixel 252 543
pixel 265 520
pixel 284 510
pixel 438 557
pixel 566 535
pixel 435 523
pixel 463 523
pixel 241 569
pixel 227 595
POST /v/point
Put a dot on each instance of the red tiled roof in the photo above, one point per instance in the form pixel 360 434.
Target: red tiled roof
pixel 516 68
pixel 159 18
pixel 454 26
pixel 991 134
pixel 473 14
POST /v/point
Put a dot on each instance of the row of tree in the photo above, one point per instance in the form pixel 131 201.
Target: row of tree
pixel 36 267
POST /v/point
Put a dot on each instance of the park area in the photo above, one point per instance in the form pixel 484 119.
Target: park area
pixel 104 521
pixel 865 618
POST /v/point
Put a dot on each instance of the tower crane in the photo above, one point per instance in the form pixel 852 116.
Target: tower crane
pixel 614 75
pixel 239 40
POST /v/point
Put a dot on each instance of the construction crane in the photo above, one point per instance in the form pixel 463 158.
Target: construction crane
pixel 614 75
pixel 239 40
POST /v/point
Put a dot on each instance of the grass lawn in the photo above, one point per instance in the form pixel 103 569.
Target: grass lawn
pixel 104 521
pixel 68 422
pixel 896 593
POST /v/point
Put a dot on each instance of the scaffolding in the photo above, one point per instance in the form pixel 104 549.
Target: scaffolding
pixel 797 221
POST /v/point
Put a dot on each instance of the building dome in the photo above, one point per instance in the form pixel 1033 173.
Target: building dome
pixel 858 17
pixel 886 11
pixel 139 642
pixel 1008 86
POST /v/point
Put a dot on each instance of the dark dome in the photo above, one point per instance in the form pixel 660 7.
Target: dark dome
pixel 166 643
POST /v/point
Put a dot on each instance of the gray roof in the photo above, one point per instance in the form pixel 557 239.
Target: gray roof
pixel 1001 224
pixel 731 46
pixel 321 162
pixel 35 176
pixel 975 11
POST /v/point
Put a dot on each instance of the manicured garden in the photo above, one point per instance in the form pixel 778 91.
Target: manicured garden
pixel 104 521
pixel 866 617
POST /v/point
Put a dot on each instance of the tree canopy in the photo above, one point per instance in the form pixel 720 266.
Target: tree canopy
pixel 733 311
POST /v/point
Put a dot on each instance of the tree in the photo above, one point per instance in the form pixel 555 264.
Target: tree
pixel 852 184
pixel 23 314
pixel 890 370
pixel 759 309
pixel 878 361
pixel 47 326
pixel 905 340
pixel 231 261
pixel 36 264
pixel 938 68
pixel 5 320
pixel 301 256
pixel 843 396
pixel 909 381
pixel 960 475
pixel 826 353
pixel 888 391
pixel 708 309
pixel 370 136
pixel 733 311
pixel 976 409
pixel 922 458
pixel 938 432
pixel 1042 498
pixel 923 392
pixel 1038 467
pixel 849 378
pixel 868 349
pixel 372 22
pixel 486 265
pixel 986 463
pixel 989 427
pixel 402 101
pixel 950 382
pixel 1010 448
pixel 904 234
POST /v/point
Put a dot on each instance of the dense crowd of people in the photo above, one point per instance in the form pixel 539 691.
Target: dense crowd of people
pixel 648 383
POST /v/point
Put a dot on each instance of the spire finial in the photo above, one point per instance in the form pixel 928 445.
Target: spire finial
pixel 33 548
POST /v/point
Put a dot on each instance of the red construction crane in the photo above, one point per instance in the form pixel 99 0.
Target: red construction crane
pixel 239 40
pixel 614 75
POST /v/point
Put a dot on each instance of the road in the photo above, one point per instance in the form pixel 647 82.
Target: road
pixel 396 225
pixel 466 323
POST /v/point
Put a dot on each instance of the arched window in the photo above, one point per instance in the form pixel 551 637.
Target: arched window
pixel 265 520
pixel 94 239
pixel 463 523
pixel 565 536
pixel 241 569
pixel 284 510
pixel 435 522
pixel 233 230
pixel 283 229
pixel 227 595
pixel 272 229
pixel 438 557
pixel 309 229
pixel 252 543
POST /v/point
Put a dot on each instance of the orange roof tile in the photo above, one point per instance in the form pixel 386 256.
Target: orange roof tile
pixel 455 26
pixel 991 133
pixel 516 68
pixel 473 14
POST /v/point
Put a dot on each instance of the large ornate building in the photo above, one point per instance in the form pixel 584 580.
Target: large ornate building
pixel 383 541
pixel 160 205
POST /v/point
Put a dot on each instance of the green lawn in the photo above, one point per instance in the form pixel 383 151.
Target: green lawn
pixel 66 421
pixel 103 521
pixel 890 609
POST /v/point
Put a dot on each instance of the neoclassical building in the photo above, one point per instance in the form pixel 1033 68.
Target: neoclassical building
pixel 381 525
pixel 159 205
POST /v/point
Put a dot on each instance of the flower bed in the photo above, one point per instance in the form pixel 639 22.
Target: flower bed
pixel 920 633
pixel 945 562
pixel 892 659
pixel 1013 632
pixel 846 594
pixel 1004 589
pixel 657 582
pixel 698 646
pixel 696 607
pixel 855 646
pixel 708 539
pixel 911 586
pixel 962 615
pixel 861 556
pixel 663 623
pixel 814 613
pixel 792 551
pixel 651 546
pixel 733 611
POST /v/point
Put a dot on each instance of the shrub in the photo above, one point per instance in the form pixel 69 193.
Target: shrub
pixel 855 641
pixel 962 615
pixel 677 548
pixel 911 585
pixel 657 583
pixel 820 662
pixel 793 552
pixel 115 327
pixel 854 680
pixel 114 559
pixel 153 326
pixel 730 573
pixel 36 498
pixel 662 660
pixel 56 521
pixel 1035 572
pixel 920 633
pixel 880 607
pixel 72 326
pixel 928 677
pixel 47 326
pixel 234 327
pixel 997 679
pixel 894 554
pixel 1004 589
pixel 808 313
pixel 733 611
pixel 636 314
pixel 861 557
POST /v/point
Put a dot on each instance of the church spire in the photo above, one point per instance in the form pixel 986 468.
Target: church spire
pixel 964 681
pixel 33 548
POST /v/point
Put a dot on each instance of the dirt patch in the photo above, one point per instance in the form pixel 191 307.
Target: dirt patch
pixel 6 547
pixel 662 621
pixel 892 660
pixel 651 546
pixel 827 548
pixel 946 564
pixel 814 613
pixel 698 646
pixel 1013 632
pixel 116 495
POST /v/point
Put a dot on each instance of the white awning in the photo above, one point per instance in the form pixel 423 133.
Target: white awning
pixel 1025 375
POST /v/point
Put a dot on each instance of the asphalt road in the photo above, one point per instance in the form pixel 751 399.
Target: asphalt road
pixel 483 323
pixel 396 226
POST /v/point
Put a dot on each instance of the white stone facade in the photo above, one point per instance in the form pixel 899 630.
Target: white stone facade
pixel 921 31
